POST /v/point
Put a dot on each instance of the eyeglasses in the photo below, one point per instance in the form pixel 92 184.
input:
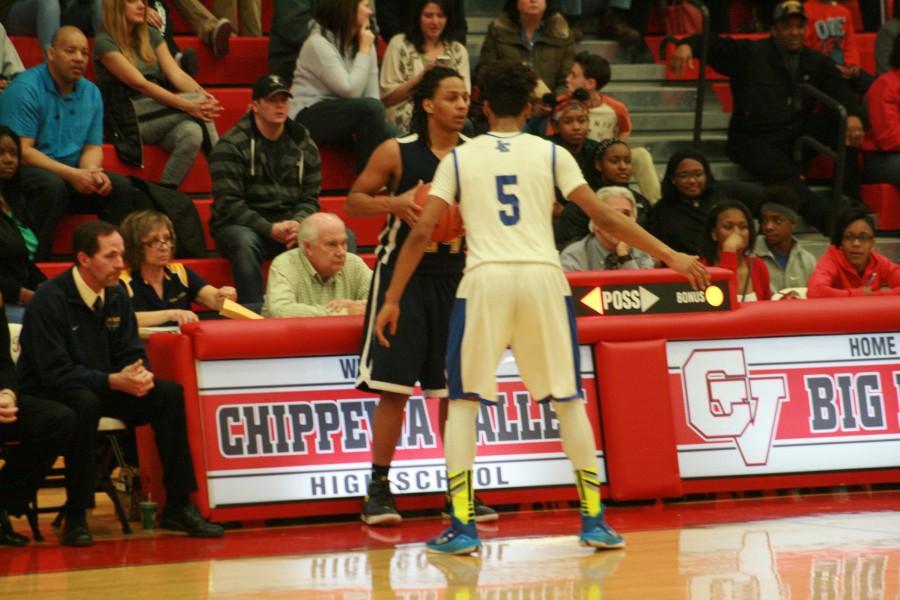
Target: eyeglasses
pixel 692 175
pixel 862 238
pixel 157 243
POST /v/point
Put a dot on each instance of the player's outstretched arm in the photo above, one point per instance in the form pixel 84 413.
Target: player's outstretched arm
pixel 407 261
pixel 634 235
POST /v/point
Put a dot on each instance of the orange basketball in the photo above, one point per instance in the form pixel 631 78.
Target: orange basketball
pixel 450 225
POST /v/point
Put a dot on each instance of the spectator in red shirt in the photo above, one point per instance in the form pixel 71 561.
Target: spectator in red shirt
pixel 728 242
pixel 829 30
pixel 882 141
pixel 850 266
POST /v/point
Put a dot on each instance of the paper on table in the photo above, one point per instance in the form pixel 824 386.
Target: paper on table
pixel 233 310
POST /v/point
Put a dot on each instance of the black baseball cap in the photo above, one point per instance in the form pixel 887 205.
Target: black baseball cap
pixel 269 85
pixel 788 9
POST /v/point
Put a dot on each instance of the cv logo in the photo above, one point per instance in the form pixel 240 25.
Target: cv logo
pixel 723 402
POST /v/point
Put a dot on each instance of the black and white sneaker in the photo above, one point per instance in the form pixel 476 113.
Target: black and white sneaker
pixel 378 505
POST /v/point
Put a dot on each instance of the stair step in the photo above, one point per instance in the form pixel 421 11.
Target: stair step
pixel 722 170
pixel 479 24
pixel 638 72
pixel 662 145
pixel 610 50
pixel 655 121
pixel 814 242
pixel 650 98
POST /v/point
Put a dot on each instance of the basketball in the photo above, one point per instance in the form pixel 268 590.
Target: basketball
pixel 450 225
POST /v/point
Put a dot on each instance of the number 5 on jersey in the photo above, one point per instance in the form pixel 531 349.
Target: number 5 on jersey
pixel 509 214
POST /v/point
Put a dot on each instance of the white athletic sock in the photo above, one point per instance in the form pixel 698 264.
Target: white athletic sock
pixel 577 434
pixel 459 435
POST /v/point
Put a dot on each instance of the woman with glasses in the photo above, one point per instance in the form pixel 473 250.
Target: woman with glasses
pixel 688 194
pixel 850 266
pixel 161 292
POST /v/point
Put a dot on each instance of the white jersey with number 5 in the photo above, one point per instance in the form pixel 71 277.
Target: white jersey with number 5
pixel 504 183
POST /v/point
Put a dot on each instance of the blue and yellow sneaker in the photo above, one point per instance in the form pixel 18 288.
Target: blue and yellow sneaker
pixel 456 539
pixel 597 534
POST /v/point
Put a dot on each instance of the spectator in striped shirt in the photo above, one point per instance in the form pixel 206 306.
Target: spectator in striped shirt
pixel 266 177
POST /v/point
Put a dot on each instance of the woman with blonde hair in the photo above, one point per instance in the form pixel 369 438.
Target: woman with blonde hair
pixel 147 97
pixel 161 291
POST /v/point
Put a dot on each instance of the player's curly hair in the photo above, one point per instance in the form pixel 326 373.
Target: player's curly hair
pixel 507 86
pixel 425 90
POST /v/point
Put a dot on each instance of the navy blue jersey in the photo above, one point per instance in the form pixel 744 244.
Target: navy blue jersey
pixel 418 163
pixel 180 287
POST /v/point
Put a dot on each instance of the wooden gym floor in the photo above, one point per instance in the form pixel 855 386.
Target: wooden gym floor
pixel 816 546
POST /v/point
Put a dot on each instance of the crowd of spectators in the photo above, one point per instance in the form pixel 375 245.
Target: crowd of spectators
pixel 327 86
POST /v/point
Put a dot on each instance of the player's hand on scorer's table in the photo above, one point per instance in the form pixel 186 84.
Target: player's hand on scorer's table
pixel 690 267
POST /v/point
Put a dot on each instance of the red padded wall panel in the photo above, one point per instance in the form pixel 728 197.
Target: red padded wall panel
pixel 638 432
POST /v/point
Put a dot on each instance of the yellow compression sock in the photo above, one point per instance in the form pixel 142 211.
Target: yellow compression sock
pixel 588 484
pixel 462 496
pixel 459 448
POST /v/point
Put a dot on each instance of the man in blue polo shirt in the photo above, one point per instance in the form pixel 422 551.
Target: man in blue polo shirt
pixel 59 116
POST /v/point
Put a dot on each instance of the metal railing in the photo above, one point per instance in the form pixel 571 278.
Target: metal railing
pixel 839 152
pixel 701 76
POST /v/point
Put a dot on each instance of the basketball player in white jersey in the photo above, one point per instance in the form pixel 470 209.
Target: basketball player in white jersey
pixel 514 293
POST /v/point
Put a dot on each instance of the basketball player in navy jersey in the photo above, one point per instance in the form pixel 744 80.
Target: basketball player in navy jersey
pixel 388 184
pixel 514 293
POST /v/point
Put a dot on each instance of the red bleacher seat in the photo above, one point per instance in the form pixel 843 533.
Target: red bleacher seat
pixel 365 228
pixel 246 62
pixel 338 168
pixel 235 103
pixel 29 50
pixel 196 182
pixel 204 209
pixel 338 171
pixel 820 168
pixel 62 241
pixel 855 13
pixel 883 199
pixel 723 93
